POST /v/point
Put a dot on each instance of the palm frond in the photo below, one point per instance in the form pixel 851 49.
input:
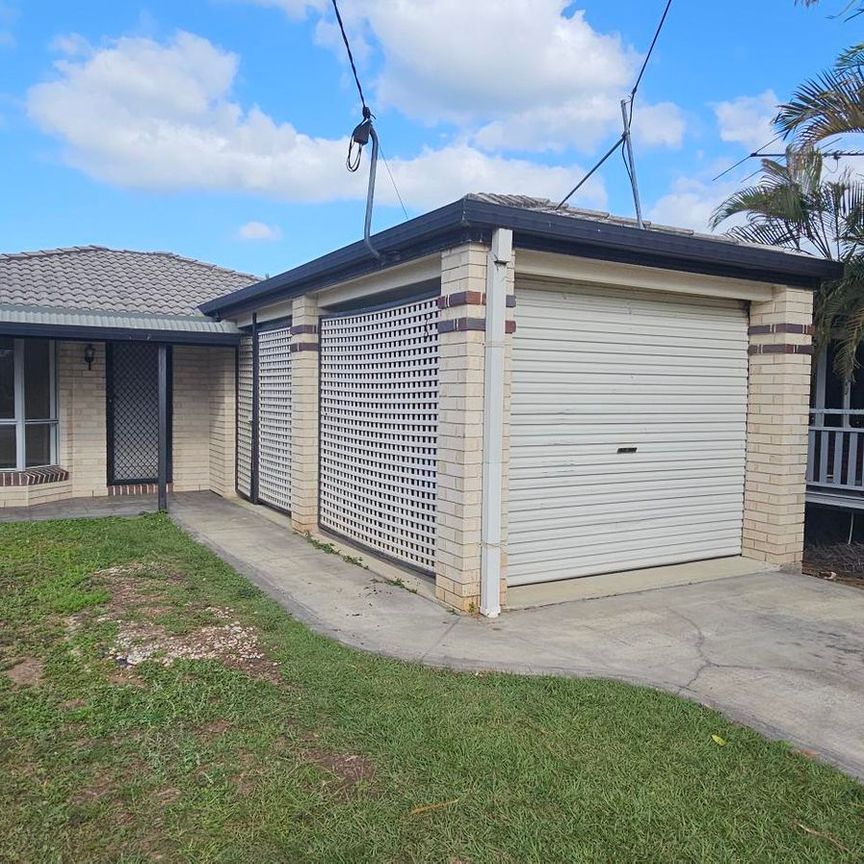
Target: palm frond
pixel 830 104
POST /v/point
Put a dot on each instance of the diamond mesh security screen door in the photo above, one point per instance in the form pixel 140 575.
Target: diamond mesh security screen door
pixel 244 416
pixel 274 417
pixel 133 413
pixel 379 421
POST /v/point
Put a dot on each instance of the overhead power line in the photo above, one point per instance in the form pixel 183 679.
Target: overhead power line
pixel 360 137
pixel 650 52
pixel 351 59
pixel 623 141
pixel 759 154
pixel 395 187
pixel 745 158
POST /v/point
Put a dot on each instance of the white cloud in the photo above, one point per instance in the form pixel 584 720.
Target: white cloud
pixel 259 231
pixel 747 119
pixel 161 116
pixel 533 76
pixel 691 202
pixel 71 44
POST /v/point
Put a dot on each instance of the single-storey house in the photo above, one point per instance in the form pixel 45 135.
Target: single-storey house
pixel 504 393
pixel 80 337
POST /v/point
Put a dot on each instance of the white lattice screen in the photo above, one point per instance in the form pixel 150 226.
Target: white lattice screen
pixel 244 416
pixel 379 421
pixel 274 417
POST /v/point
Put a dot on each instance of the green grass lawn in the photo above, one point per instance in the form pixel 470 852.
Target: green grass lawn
pixel 286 747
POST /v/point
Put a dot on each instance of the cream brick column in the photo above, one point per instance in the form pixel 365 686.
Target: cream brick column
pixel 304 413
pixel 223 426
pixel 777 427
pixel 190 443
pixel 83 419
pixel 462 341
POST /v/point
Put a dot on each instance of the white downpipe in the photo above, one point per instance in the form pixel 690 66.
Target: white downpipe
pixel 493 422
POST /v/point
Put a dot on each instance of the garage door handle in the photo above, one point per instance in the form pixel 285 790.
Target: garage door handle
pixel 627 449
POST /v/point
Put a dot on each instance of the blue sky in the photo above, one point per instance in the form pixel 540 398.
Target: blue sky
pixel 217 128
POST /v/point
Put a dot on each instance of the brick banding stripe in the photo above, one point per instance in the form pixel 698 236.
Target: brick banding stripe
pixel 34 476
pixel 461 298
pixel 136 489
pixel 780 349
pixel 469 298
pixel 765 329
pixel 299 329
pixel 461 324
pixel 304 346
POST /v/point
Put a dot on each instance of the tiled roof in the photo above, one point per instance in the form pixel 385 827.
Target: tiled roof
pixel 544 205
pixel 114 280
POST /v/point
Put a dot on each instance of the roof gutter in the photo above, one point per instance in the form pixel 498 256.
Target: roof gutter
pixel 83 333
pixel 474 219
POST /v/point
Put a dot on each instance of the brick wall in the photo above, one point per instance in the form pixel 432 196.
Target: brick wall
pixel 204 429
pixel 777 425
pixel 304 413
pixel 223 421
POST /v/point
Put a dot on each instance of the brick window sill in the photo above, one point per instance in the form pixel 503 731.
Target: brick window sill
pixel 34 476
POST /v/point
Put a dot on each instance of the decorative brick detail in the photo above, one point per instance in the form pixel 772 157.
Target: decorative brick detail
pixel 300 329
pixel 777 427
pixel 296 347
pixel 461 298
pixel 780 349
pixel 510 327
pixel 470 298
pixel 137 489
pixel 34 476
pixel 784 327
pixel 462 324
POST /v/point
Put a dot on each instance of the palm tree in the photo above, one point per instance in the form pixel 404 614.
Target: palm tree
pixel 795 206
pixel 830 104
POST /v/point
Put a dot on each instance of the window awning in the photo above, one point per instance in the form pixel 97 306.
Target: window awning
pixel 78 324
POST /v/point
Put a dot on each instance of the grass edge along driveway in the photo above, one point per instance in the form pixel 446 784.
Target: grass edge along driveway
pixel 156 706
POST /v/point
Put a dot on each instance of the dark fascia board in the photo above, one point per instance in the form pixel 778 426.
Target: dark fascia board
pixel 74 333
pixel 474 219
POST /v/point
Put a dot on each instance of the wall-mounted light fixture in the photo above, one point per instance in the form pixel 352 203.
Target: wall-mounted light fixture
pixel 89 356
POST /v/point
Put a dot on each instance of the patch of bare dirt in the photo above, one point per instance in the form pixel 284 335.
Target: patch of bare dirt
pixel 26 672
pixel 348 769
pixel 836 562
pixel 136 601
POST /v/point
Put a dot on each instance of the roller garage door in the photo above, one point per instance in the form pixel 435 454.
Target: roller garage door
pixel 628 431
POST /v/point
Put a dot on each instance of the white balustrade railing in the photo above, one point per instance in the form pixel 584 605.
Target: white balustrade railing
pixel 835 457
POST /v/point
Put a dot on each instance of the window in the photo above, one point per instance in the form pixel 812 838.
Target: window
pixel 28 404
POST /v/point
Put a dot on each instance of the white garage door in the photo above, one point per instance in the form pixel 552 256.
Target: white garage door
pixel 628 431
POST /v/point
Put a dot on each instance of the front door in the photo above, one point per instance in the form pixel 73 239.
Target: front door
pixel 132 385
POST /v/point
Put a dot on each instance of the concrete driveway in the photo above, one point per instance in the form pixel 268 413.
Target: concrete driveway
pixel 781 653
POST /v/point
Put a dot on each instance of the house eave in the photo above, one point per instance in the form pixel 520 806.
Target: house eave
pixel 474 220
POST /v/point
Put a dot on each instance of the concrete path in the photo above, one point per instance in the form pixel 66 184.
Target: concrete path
pixel 82 508
pixel 781 653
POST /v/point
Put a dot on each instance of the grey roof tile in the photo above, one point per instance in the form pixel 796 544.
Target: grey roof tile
pixel 114 280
